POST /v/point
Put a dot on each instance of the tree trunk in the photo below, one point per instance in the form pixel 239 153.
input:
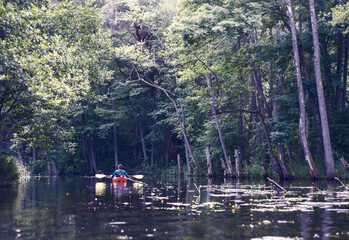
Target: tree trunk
pixel 116 158
pixel 210 171
pixel 115 138
pixel 152 156
pixel 230 168
pixel 181 121
pixel 180 170
pixel 304 141
pixel 141 134
pixel 322 107
pixel 327 69
pixel 92 157
pixel 339 68
pixel 225 168
pixel 274 161
pixel 289 154
pixel 54 168
pixel 190 171
pixel 166 153
pixel 311 98
pixel 345 70
pixel 34 154
pixel 241 130
pixel 283 165
pixel 214 113
pixel 238 166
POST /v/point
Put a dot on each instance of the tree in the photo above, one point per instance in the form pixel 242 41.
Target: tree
pixel 304 141
pixel 324 122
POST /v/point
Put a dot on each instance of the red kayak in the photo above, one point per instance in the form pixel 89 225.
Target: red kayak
pixel 120 178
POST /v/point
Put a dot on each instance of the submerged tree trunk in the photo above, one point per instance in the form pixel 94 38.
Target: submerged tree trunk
pixel 322 107
pixel 304 141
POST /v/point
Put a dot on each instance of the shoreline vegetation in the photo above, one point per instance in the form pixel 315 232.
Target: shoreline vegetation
pixel 246 89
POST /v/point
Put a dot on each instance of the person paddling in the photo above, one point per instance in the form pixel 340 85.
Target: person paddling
pixel 120 171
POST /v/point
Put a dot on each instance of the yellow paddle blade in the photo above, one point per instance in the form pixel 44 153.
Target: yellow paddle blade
pixel 98 175
pixel 137 176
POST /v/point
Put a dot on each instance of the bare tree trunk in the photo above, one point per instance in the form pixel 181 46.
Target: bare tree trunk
pixel 166 153
pixel 345 70
pixel 311 100
pixel 280 147
pixel 135 146
pixel 210 171
pixel 339 68
pixel 141 134
pixel 327 69
pixel 92 157
pixel 34 154
pixel 152 156
pixel 274 161
pixel 214 113
pixel 116 158
pixel 180 170
pixel 322 107
pixel 289 154
pixel 54 168
pixel 238 166
pixel 225 168
pixel 304 141
pixel 190 171
pixel 115 136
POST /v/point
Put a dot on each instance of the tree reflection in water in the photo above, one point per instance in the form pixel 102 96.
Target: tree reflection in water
pixel 192 208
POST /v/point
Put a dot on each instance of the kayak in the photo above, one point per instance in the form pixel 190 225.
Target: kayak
pixel 121 178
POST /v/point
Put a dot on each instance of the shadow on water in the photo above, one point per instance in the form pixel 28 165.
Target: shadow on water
pixel 173 208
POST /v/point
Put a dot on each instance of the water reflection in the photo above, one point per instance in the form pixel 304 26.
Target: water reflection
pixel 191 208
pixel 119 189
pixel 101 188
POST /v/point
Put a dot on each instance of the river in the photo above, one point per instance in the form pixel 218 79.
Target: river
pixel 171 208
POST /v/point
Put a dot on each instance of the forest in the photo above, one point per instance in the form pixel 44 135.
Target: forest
pixel 241 88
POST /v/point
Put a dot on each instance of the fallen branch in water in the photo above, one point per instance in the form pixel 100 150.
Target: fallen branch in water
pixel 276 184
pixel 346 188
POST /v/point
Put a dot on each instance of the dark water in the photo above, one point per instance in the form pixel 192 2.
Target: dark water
pixel 87 208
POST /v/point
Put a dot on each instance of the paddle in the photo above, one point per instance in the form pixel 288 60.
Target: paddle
pixel 137 176
pixel 99 175
pixel 136 181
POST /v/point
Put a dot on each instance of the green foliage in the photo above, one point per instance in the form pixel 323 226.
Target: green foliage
pixel 8 169
pixel 253 171
pixel 340 17
pixel 73 73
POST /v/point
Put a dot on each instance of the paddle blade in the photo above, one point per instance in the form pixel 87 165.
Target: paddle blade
pixel 137 176
pixel 98 175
